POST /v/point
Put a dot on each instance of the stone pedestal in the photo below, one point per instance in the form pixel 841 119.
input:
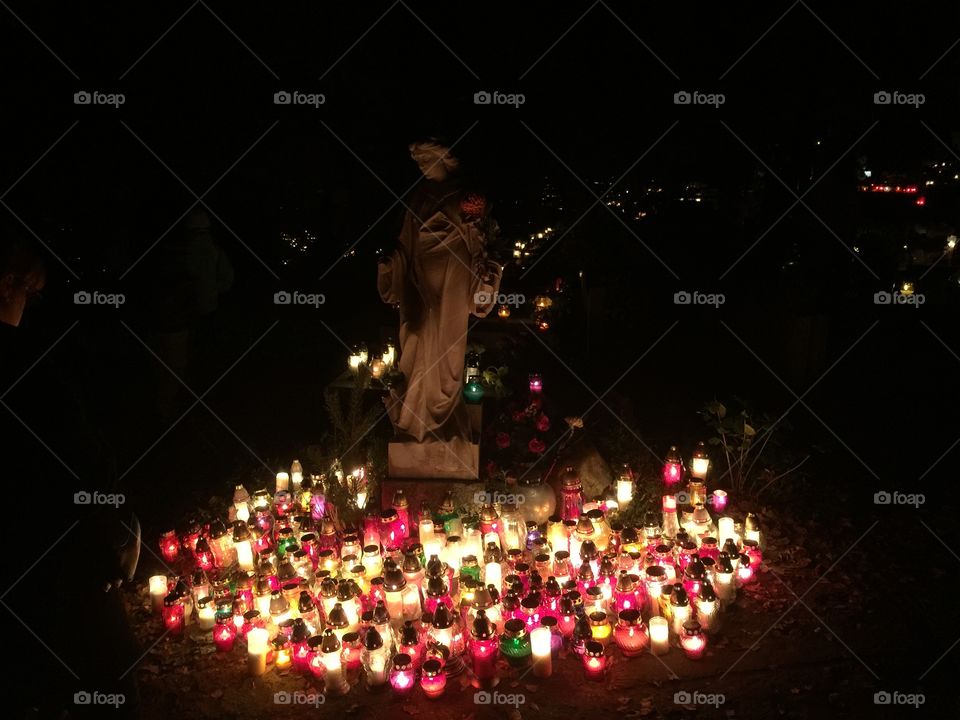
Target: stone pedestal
pixel 434 460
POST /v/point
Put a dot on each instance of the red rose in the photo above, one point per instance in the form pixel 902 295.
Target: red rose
pixel 503 440
pixel 473 206
pixel 543 423
pixel 536 446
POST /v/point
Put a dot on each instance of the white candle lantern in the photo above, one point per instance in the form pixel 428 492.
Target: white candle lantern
pixel 257 642
pixel 540 642
pixel 701 462
pixel 659 635
pixel 158 591
pixel 283 481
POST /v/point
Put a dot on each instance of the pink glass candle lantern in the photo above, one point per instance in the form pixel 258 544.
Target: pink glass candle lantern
pixel 630 635
pixel 402 508
pixel 572 494
pixel 719 500
pixel 536 383
pixel 693 640
pixel 625 594
pixel 173 615
pixel 224 635
pixel 594 661
pixel 350 653
pixel 484 648
pixel 567 619
pixel 672 467
pixel 745 571
pixel 402 676
pixel 433 680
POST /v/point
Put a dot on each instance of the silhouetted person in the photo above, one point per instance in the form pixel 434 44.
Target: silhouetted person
pixel 67 550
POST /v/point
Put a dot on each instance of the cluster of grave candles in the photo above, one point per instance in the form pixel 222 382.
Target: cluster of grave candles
pixel 409 599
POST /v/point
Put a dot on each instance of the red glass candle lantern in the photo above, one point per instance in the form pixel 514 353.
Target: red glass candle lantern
pixel 594 661
pixel 224 635
pixel 693 640
pixel 672 467
pixel 170 546
pixel 402 676
pixel 567 618
pixel 299 645
pixel 204 555
pixel 572 494
pixel 484 648
pixel 391 536
pixel 745 570
pixel 630 635
pixel 433 680
pixel 173 615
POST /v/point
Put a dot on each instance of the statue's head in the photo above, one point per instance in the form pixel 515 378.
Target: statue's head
pixel 434 159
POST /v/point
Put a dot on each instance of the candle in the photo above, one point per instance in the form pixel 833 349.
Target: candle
pixel 515 643
pixel 719 498
pixel 484 647
pixel 170 546
pixel 725 531
pixel 283 481
pixel 540 643
pixel 374 657
pixel 672 467
pixel 692 640
pixel 701 462
pixel 402 677
pixel 493 575
pixel 281 654
pixel 335 682
pixel 224 635
pixel 257 640
pixel 630 634
pixel 659 635
pixel 594 661
pixel 433 680
pixel 536 383
pixel 173 615
pixel 206 613
pixel 158 591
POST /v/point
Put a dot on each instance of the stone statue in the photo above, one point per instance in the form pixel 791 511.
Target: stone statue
pixel 439 275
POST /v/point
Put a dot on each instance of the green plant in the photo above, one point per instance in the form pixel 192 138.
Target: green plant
pixel 493 383
pixel 351 439
pixel 752 457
